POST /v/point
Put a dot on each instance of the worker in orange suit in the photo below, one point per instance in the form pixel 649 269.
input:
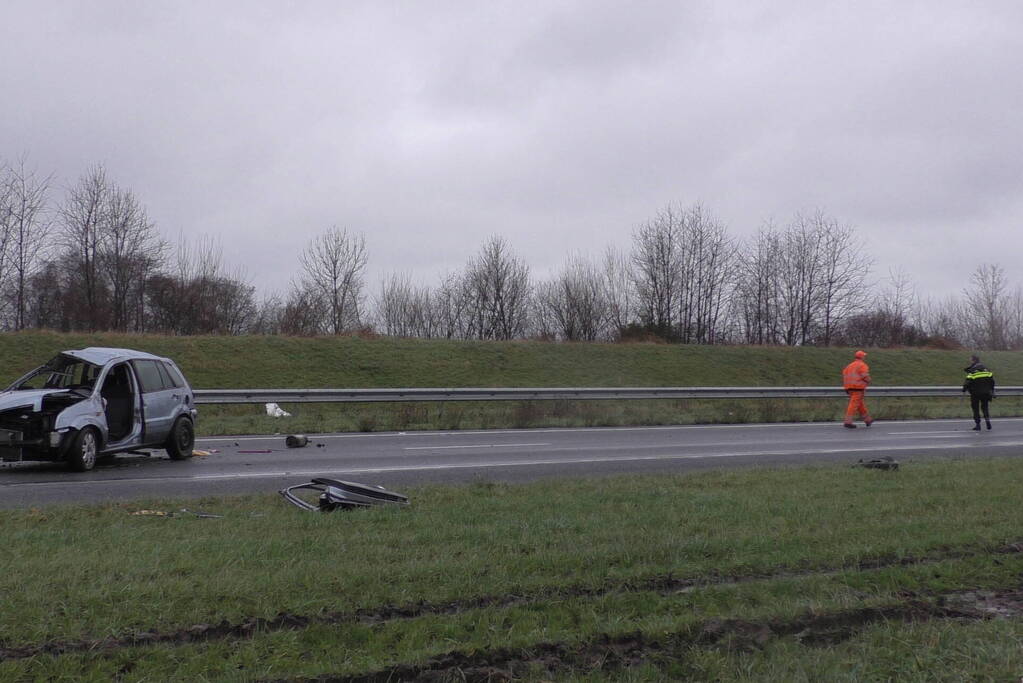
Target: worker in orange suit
pixel 856 379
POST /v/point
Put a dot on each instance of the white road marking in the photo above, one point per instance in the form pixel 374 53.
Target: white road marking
pixel 481 445
pixel 946 431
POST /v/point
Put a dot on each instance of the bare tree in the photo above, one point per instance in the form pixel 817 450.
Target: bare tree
pixel 130 251
pixel 333 265
pixel 497 290
pixel 6 235
pixel 405 310
pixel 46 298
pixel 801 279
pixel 1014 322
pixel 987 307
pixel 888 321
pixel 200 297
pixel 707 276
pixel 618 291
pixel 757 300
pixel 571 306
pixel 24 229
pixel 796 286
pixel 683 273
pixel 299 316
pixel 821 278
pixel 544 322
pixel 945 322
pixel 449 306
pixel 83 215
pixel 845 267
pixel 657 270
pixel 897 295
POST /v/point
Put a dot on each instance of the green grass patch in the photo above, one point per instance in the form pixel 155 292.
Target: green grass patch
pixel 312 418
pixel 250 362
pixel 278 362
pixel 339 362
pixel 496 575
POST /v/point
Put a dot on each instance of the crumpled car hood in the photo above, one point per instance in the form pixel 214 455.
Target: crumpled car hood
pixel 29 398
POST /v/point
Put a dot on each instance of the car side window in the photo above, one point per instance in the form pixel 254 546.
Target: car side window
pixel 149 375
pixel 175 374
pixel 165 377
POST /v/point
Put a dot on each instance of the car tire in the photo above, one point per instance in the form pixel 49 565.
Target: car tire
pixel 84 450
pixel 181 440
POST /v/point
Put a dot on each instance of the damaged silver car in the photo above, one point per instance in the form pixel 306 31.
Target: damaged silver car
pixel 95 402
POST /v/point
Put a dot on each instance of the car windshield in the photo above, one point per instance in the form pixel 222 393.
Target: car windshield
pixel 63 372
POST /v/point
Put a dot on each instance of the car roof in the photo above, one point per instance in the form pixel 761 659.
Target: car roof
pixel 101 355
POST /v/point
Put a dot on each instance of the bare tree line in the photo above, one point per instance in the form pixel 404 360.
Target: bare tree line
pixel 687 280
pixel 91 259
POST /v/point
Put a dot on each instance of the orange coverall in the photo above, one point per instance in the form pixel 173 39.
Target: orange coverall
pixel 855 380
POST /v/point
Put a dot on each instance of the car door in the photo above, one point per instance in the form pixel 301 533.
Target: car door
pixel 160 400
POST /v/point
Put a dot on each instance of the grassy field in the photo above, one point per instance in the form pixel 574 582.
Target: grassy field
pixel 332 362
pixel 281 362
pixel 823 573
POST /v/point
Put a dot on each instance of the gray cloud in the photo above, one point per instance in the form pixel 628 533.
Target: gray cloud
pixel 561 126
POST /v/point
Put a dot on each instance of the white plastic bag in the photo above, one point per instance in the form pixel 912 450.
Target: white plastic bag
pixel 274 410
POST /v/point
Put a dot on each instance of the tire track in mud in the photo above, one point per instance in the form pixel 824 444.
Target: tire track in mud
pixel 665 585
pixel 620 652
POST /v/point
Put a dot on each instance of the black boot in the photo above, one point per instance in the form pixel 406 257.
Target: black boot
pixel 989 424
pixel 977 427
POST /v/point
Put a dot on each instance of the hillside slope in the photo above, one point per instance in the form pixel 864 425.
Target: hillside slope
pixel 323 362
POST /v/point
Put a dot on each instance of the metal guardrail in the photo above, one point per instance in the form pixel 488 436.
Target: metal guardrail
pixel 226 396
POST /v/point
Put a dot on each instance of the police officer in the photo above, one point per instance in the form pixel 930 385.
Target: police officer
pixel 980 382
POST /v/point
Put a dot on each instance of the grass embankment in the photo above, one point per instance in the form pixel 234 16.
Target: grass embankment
pixel 824 573
pixel 329 362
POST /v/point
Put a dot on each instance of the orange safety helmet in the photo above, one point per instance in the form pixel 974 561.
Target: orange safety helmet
pixel 860 354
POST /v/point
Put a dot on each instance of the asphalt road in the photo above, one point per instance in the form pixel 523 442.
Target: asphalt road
pixel 249 464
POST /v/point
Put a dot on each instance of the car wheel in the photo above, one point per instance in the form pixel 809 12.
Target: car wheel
pixel 84 450
pixel 181 440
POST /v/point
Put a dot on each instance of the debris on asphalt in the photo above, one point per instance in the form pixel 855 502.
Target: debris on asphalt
pixel 259 450
pixel 200 514
pixel 274 410
pixel 296 441
pixel 201 454
pixel 183 511
pixel 885 463
pixel 335 494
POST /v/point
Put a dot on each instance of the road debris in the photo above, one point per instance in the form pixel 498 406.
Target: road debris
pixel 200 514
pixel 296 441
pixel 178 513
pixel 274 410
pixel 335 494
pixel 885 463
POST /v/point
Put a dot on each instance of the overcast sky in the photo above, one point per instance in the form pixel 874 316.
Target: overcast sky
pixel 561 126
